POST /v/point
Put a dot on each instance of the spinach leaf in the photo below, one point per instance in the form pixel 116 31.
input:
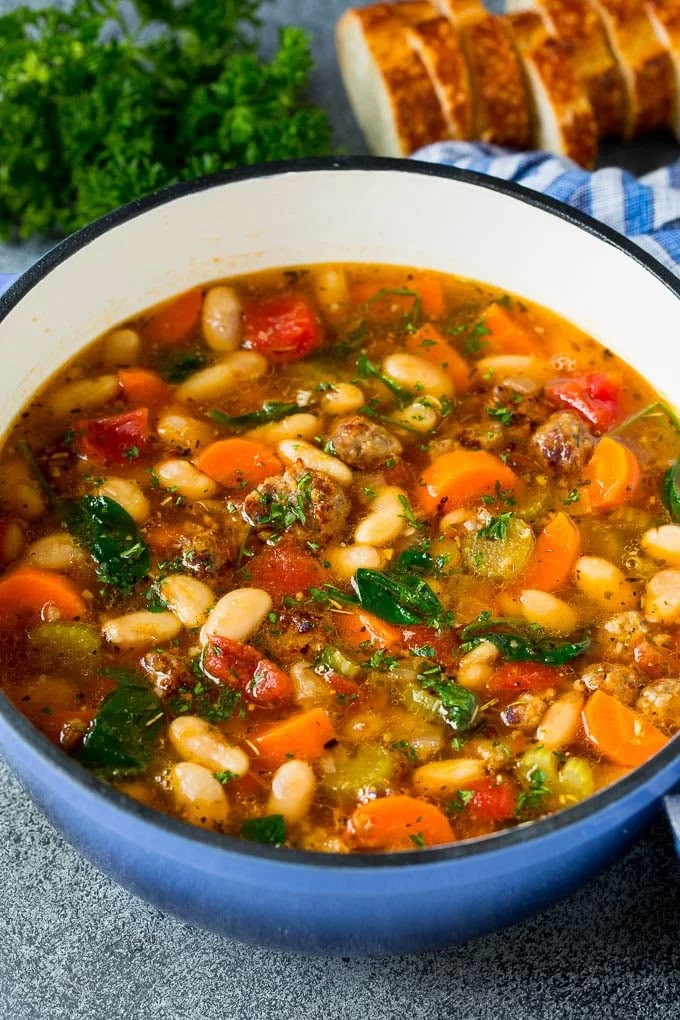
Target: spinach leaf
pixel 406 600
pixel 670 491
pixel 101 526
pixel 271 410
pixel 368 370
pixel 271 829
pixel 112 538
pixel 418 558
pixel 459 706
pixel 516 646
pixel 121 737
pixel 655 410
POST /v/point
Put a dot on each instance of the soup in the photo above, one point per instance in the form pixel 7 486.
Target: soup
pixel 345 558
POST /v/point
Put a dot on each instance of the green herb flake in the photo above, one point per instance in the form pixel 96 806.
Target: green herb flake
pixel 269 830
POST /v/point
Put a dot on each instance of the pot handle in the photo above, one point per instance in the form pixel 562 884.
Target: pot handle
pixel 671 802
pixel 6 280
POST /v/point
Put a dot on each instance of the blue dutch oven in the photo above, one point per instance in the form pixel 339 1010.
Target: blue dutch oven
pixel 354 210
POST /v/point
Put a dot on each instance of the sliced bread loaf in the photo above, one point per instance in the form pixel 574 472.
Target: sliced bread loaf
pixel 645 65
pixel 500 102
pixel 439 47
pixel 665 18
pixel 387 83
pixel 564 121
pixel 579 27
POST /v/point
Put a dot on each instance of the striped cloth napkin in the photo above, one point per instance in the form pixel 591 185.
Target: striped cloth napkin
pixel 647 209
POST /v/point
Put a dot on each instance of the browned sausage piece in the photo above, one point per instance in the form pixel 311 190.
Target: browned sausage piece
pixel 564 442
pixel 363 444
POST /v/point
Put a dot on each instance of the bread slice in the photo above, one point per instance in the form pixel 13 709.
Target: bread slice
pixel 439 47
pixel 645 65
pixel 579 27
pixel 564 121
pixel 665 18
pixel 388 86
pixel 500 102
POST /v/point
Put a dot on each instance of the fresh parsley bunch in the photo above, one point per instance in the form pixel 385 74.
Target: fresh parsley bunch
pixel 104 102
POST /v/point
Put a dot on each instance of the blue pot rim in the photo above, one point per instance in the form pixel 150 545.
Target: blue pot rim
pixel 54 756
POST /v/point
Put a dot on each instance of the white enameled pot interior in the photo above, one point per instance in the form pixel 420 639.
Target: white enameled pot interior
pixel 381 216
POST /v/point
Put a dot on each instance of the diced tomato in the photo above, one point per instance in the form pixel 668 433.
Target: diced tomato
pixel 176 320
pixel 285 569
pixel 119 439
pixel 346 690
pixel 400 473
pixel 520 677
pixel 282 328
pixel 443 643
pixel 262 682
pixel 597 397
pixel 493 801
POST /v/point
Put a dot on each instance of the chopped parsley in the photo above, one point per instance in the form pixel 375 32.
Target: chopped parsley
pixel 533 798
pixel 461 800
pixel 501 414
pixel 225 776
pixel 497 528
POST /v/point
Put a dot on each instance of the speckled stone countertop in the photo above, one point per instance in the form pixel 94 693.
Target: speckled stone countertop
pixel 74 946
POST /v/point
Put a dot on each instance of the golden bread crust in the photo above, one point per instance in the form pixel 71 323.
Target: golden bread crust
pixel 645 65
pixel 438 46
pixel 414 103
pixel 579 27
pixel 548 63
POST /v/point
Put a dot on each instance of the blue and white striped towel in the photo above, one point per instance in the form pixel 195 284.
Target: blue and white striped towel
pixel 647 209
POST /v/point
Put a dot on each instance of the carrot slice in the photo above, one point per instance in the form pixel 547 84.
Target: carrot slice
pixel 554 555
pixel 621 734
pixel 399 822
pixel 361 630
pixel 614 474
pixel 427 342
pixel 176 320
pixel 237 463
pixel 29 592
pixel 303 736
pixel 461 477
pixel 142 386
pixel 505 335
pixel 428 288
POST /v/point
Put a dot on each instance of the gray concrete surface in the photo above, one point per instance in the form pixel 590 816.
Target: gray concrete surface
pixel 74 946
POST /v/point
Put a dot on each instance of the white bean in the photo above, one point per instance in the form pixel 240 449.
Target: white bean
pixel 83 394
pixel 345 560
pixel 547 611
pixel 662 597
pixel 19 491
pixel 293 787
pixel 176 428
pixel 226 376
pixel 128 494
pixel 308 686
pixel 498 366
pixel 423 415
pixel 292 450
pixel 418 374
pixel 121 348
pixel 477 665
pixel 560 724
pixel 188 598
pixel 182 477
pixel 221 319
pixel 57 551
pixel 200 797
pixel 196 740
pixel 443 779
pixel 342 398
pixel 603 582
pixel 237 615
pixel 295 426
pixel 386 520
pixel 331 289
pixel 142 629
pixel 12 542
pixel 663 544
